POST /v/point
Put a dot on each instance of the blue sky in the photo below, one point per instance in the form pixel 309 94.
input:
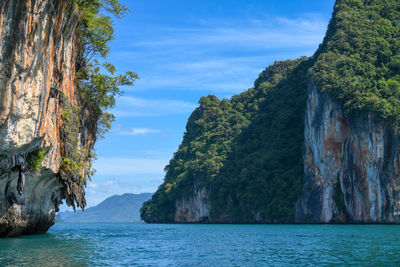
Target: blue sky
pixel 183 50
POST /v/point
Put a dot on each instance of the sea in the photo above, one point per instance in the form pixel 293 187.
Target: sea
pixel 140 244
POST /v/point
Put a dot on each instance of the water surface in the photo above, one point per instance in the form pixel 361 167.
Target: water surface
pixel 139 244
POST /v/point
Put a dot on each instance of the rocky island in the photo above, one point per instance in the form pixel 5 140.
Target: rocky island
pixel 314 141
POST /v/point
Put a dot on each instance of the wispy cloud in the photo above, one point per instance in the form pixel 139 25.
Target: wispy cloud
pixel 221 55
pixel 264 33
pixel 137 107
pixel 226 75
pixel 129 166
pixel 120 130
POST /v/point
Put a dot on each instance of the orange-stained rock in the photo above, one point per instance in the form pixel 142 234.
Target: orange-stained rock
pixel 39 53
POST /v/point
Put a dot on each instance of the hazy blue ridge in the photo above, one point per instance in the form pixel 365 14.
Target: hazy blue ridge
pixel 124 208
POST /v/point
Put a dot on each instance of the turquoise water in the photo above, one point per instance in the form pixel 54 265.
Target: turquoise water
pixel 139 244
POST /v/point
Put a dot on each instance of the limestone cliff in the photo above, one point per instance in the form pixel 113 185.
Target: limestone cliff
pixel 195 209
pixel 39 59
pixel 351 171
pixel 358 156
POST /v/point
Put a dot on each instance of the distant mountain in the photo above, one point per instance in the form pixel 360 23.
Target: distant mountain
pixel 124 208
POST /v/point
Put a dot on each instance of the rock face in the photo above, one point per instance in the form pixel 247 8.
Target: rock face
pixel 39 54
pixel 351 171
pixel 358 157
pixel 195 209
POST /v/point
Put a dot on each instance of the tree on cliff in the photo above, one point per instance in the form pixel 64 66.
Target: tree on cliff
pixel 98 81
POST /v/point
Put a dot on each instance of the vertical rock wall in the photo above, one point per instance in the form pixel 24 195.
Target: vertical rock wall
pixel 358 157
pixel 195 209
pixel 39 53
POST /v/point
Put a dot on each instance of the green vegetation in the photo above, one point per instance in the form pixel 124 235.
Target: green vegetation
pixel 77 158
pixel 264 173
pixel 34 159
pixel 247 149
pixel 98 82
pixel 359 60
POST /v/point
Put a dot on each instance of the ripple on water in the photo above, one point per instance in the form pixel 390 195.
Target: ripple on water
pixel 138 244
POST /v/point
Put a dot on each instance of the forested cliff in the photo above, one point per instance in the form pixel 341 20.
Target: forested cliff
pixel 315 140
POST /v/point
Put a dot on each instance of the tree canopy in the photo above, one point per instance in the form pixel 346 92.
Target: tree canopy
pixel 359 60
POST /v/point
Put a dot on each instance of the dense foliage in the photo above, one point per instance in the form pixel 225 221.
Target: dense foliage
pixel 264 173
pixel 227 141
pixel 359 60
pixel 98 84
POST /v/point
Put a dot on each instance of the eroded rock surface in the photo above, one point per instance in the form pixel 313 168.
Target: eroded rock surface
pixel 39 55
pixel 359 157
pixel 195 209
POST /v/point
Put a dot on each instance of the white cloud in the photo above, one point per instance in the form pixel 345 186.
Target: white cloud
pixel 264 33
pixel 136 107
pixel 129 166
pixel 220 56
pixel 116 176
pixel 92 185
pixel 136 131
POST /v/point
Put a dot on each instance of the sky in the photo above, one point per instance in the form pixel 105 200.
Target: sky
pixel 183 50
